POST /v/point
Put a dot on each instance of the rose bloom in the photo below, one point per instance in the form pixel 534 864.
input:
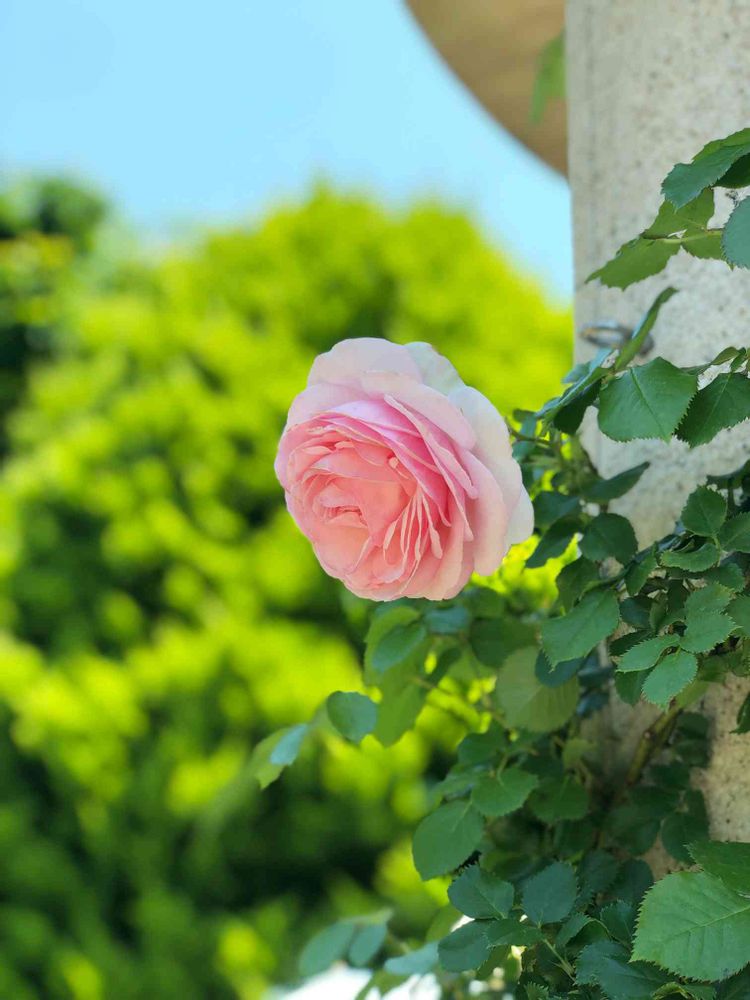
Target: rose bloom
pixel 399 474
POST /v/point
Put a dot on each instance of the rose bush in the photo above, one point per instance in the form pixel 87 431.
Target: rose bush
pixel 400 475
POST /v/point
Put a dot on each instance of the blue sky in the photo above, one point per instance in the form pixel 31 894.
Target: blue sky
pixel 196 112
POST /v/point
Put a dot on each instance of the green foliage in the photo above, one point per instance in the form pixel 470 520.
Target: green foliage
pixel 542 839
pixel 549 82
pixel 166 635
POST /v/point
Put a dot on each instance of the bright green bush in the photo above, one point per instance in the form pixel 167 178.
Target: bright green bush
pixel 160 614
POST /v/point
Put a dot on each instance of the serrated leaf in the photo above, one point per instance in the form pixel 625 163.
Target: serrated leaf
pixel 576 633
pixel 325 948
pixel 679 829
pixel 446 838
pixel 739 611
pixel 548 896
pixel 604 490
pixel 510 931
pixel 352 714
pixel 704 512
pixel 574 579
pixel 710 599
pixel 619 919
pixel 723 403
pixel 497 796
pixel 693 991
pixel 696 560
pixel 465 948
pixel 596 872
pixel 606 964
pixel 555 676
pixel 736 239
pixel 693 925
pixel 669 677
pixel 557 800
pixel 647 401
pixel 571 929
pixel 725 860
pixel 734 535
pixel 639 572
pixel 414 963
pixel 685 181
pixel 480 894
pixel 706 631
pixel 635 260
pixel 609 535
pixel 553 542
pixel 645 654
pixel 529 704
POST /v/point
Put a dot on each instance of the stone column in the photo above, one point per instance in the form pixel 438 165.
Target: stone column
pixel 649 83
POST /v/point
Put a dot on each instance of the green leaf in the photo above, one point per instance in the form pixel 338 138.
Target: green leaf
pixel 403 644
pixel 477 893
pixel 739 612
pixel 465 948
pixel 325 948
pixel 550 506
pixel 275 752
pixel 497 796
pixel 706 631
pixel 604 490
pixel 510 931
pixel 555 676
pixel 619 919
pixel 609 535
pixel 736 988
pixel 414 963
pixel 446 838
pixel 725 860
pixel 571 929
pixel 398 711
pixel 693 991
pixel 743 717
pixel 354 715
pixel 686 180
pixel 647 401
pixel 669 677
pixel 635 260
pixel 734 535
pixel 679 829
pixel 639 572
pixel 529 704
pixel 549 82
pixel 736 239
pixel 574 579
pixel 606 964
pixel 644 654
pixel 693 925
pixel 724 402
pixel 705 511
pixel 553 542
pixel 557 800
pixel 696 560
pixel 492 640
pixel 549 895
pixel 367 942
pixel 576 633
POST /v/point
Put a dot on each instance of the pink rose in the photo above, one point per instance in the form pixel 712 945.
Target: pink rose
pixel 399 474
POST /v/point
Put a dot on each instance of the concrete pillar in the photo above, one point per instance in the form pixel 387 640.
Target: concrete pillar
pixel 649 83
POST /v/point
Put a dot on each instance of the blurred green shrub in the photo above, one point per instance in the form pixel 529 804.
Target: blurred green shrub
pixel 159 613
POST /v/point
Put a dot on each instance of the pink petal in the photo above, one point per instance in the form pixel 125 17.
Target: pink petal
pixel 348 360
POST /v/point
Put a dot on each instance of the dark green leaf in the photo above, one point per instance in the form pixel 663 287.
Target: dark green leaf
pixel 512 932
pixel 571 929
pixel 635 260
pixel 722 403
pixel 680 829
pixel 619 919
pixel 550 506
pixel 669 677
pixel 705 511
pixel 465 948
pixel 446 838
pixel 354 715
pixel 696 560
pixel 557 800
pixel 609 535
pixel 477 893
pixel 647 401
pixel 734 535
pixel 576 633
pixel 743 717
pixel 736 239
pixel 725 860
pixel 607 964
pixel 548 896
pixel 553 542
pixel 574 579
pixel 693 925
pixel 492 640
pixel 368 940
pixel 398 711
pixel 639 572
pixel 604 490
pixel 555 676
pixel 739 612
pixel 644 654
pixel 497 796
pixel 686 180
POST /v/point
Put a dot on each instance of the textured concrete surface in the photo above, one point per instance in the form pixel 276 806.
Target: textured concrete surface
pixel 649 83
